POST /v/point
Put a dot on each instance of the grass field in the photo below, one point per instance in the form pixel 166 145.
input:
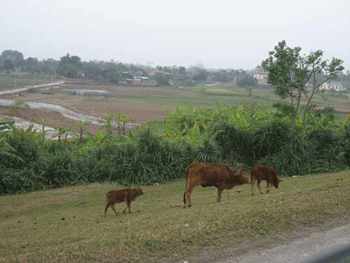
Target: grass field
pixel 67 224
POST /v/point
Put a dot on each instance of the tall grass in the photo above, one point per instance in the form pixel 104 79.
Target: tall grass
pixel 159 152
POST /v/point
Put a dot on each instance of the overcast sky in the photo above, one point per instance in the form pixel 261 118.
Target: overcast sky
pixel 218 34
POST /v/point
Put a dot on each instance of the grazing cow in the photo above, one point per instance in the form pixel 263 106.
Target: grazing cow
pixel 212 174
pixel 117 196
pixel 261 172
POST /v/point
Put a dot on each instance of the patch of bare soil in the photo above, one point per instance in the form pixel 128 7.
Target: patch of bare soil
pixel 140 111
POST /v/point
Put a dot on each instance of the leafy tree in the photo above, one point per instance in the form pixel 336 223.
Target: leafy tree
pixel 222 75
pixel 109 72
pixel 49 66
pixel 201 76
pixel 31 65
pixel 290 72
pixel 92 69
pixel 69 66
pixel 15 56
pixel 166 69
pixel 112 74
pixel 247 82
pixel 182 70
pixel 161 80
pixel 8 65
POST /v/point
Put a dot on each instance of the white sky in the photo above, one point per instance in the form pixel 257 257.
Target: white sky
pixel 216 33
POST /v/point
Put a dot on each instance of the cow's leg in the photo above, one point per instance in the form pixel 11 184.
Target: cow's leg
pixel 184 199
pixel 269 186
pixel 112 205
pixel 258 185
pixel 127 207
pixel 187 197
pixel 220 189
pixel 106 208
pixel 252 181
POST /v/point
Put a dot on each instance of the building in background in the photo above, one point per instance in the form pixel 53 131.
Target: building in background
pixel 261 75
pixel 337 86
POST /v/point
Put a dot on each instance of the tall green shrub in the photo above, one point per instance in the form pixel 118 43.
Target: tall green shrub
pixel 237 144
pixel 269 138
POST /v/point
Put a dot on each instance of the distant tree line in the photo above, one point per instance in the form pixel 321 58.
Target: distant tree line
pixel 110 72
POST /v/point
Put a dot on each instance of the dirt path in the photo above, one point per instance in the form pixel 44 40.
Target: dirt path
pixel 12 91
pixel 315 246
pixel 302 245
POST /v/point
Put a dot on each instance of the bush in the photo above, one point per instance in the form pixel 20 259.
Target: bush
pixel 237 144
pixel 14 181
pixel 59 169
pixel 270 138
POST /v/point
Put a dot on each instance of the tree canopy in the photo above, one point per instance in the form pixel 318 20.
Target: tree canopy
pixel 247 81
pixel 9 65
pixel 69 66
pixel 15 56
pixel 290 73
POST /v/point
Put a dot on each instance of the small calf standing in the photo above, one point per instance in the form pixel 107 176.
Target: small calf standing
pixel 261 172
pixel 117 196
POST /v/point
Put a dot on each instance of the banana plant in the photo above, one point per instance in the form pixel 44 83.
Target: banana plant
pixel 82 128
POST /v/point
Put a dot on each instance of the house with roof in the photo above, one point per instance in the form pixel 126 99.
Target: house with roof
pixel 261 75
pixel 337 86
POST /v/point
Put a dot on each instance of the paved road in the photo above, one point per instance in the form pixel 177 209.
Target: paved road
pixel 314 247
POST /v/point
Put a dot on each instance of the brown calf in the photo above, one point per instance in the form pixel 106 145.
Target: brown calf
pixel 212 174
pixel 117 196
pixel 261 172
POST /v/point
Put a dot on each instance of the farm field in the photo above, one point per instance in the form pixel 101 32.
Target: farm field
pixel 68 224
pixel 140 103
pixel 19 81
pixel 146 103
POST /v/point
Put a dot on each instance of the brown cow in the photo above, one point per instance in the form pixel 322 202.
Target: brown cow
pixel 212 174
pixel 261 172
pixel 117 196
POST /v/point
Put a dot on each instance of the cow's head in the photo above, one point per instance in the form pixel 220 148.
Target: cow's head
pixel 275 181
pixel 139 191
pixel 239 177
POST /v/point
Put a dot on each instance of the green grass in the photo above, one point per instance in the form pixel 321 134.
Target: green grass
pixel 67 224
